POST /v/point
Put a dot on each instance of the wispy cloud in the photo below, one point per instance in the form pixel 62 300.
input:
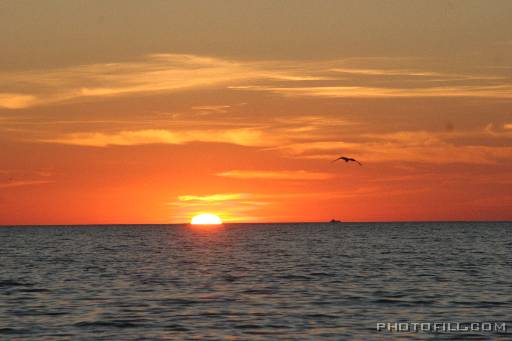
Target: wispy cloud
pixel 154 73
pixel 409 146
pixel 419 146
pixel 209 109
pixel 238 136
pixel 386 72
pixel 429 75
pixel 20 183
pixel 316 146
pixel 181 129
pixel 276 175
pixel 151 74
pixel 16 101
pixel 213 197
pixel 490 91
pixel 164 73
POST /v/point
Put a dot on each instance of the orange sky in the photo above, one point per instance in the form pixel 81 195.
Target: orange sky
pixel 132 112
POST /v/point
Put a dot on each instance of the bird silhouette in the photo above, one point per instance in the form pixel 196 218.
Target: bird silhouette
pixel 347 159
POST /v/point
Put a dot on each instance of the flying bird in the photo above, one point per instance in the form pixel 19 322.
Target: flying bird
pixel 347 159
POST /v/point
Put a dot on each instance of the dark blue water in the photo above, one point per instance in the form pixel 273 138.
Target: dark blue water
pixel 252 282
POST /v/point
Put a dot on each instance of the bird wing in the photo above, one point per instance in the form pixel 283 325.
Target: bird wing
pixel 347 159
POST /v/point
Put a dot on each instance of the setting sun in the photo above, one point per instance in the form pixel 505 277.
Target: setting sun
pixel 206 219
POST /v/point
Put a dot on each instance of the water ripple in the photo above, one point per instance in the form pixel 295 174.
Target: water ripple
pixel 252 282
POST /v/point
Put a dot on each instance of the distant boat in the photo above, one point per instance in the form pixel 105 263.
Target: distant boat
pixel 334 221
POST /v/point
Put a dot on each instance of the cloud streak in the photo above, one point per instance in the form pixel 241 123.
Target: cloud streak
pixel 276 175
pixel 22 183
pixel 213 197
pixel 490 91
pixel 407 146
pixel 16 101
pixel 164 73
pixel 239 136
pixel 155 73
pixel 404 146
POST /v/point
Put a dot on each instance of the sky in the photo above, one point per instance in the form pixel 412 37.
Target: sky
pixel 154 111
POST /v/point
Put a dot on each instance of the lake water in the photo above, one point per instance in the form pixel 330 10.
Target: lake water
pixel 253 281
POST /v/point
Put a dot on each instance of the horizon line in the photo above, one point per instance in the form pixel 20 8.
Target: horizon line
pixel 262 223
